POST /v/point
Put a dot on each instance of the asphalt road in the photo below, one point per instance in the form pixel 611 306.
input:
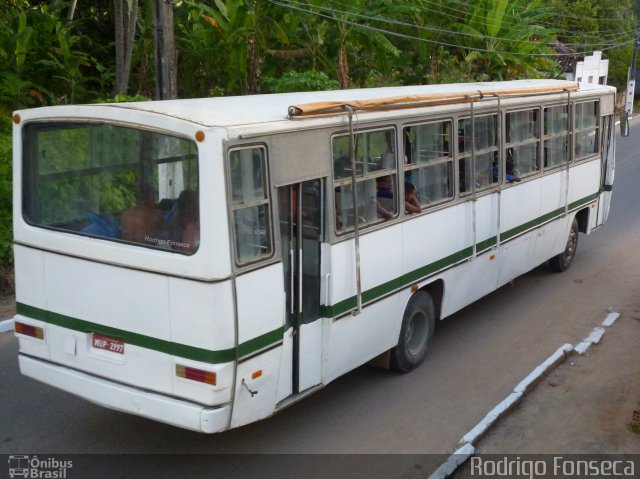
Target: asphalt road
pixel 477 357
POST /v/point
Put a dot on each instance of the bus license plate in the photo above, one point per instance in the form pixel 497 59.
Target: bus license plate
pixel 108 343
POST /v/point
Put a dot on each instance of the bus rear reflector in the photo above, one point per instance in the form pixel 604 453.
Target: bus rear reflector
pixel 196 374
pixel 33 331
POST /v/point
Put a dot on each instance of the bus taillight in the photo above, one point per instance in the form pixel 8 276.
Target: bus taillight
pixel 33 331
pixel 196 374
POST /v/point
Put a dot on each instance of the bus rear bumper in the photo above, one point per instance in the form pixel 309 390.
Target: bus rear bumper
pixel 174 411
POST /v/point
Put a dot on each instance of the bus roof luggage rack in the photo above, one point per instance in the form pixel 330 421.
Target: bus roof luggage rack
pixel 420 100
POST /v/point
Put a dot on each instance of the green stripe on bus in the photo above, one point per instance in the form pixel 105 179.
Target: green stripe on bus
pixel 423 272
pixel 148 342
pixel 260 342
pixel 272 337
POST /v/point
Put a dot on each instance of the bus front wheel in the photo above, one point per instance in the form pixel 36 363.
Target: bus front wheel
pixel 562 262
pixel 418 323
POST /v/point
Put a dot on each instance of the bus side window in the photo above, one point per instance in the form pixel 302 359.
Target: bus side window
pixel 375 178
pixel 523 141
pixel 586 129
pixel 250 207
pixel 484 151
pixel 430 170
pixel 556 136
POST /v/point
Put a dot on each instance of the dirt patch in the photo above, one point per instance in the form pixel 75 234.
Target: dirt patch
pixel 7 282
pixel 7 308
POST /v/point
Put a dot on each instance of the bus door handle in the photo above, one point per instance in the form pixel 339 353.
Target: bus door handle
pixel 327 285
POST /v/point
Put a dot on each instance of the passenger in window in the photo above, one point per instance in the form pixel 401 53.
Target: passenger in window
pixel 511 173
pixel 140 224
pixel 385 197
pixel 185 227
pixel 342 167
pixel 389 156
pixel 411 203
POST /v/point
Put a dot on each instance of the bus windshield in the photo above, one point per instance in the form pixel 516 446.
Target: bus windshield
pixel 112 182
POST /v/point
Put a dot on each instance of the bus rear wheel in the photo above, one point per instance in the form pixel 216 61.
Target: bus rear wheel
pixel 418 323
pixel 563 261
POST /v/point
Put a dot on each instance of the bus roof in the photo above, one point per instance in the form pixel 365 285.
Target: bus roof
pixel 238 111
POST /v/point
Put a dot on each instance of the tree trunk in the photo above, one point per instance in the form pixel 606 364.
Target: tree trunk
pixel 125 33
pixel 343 66
pixel 166 62
pixel 254 65
pixel 72 10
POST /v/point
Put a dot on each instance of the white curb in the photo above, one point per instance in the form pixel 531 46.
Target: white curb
pixel 493 415
pixel 593 338
pixel 6 325
pixel 467 449
pixel 549 363
pixel 610 319
pixel 452 463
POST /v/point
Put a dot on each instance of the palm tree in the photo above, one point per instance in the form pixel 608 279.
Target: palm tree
pixel 506 39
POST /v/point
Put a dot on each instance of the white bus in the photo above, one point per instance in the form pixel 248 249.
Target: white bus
pixel 201 262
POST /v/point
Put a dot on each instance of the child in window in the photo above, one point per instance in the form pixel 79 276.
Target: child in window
pixel 411 203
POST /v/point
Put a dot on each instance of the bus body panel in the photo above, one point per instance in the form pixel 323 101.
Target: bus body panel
pixel 487 210
pixel 128 399
pixel 256 387
pixel 554 191
pixel 380 257
pixel 155 316
pixel 357 338
pixel 431 237
pixel 260 311
pixel 521 204
pixel 584 181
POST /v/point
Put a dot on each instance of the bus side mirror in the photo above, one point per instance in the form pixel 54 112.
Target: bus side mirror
pixel 624 125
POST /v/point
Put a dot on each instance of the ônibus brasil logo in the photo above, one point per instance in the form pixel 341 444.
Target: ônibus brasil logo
pixel 35 468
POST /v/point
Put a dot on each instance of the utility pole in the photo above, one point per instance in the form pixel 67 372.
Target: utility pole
pixel 165 51
pixel 631 80
pixel 631 76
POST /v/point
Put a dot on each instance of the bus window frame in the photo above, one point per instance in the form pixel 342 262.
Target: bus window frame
pixel 414 166
pixel 539 107
pixel 567 135
pixel 575 130
pixel 269 221
pixel 62 122
pixel 496 149
pixel 362 178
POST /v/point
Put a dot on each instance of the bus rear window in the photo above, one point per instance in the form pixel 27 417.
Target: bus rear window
pixel 112 182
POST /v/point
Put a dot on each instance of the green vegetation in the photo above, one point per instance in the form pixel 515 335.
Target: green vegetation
pixel 50 55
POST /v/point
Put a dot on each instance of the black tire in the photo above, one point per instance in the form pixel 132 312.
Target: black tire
pixel 418 323
pixel 563 261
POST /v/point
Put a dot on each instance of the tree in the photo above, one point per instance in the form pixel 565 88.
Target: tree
pixel 588 25
pixel 507 39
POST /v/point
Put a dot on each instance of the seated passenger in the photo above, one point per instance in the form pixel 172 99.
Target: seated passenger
pixel 511 173
pixel 411 203
pixel 140 223
pixel 185 225
pixel 384 204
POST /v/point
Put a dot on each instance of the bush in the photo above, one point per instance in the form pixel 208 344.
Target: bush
pixel 299 81
pixel 6 234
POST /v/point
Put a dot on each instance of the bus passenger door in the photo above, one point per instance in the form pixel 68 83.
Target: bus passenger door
pixel 301 233
pixel 608 168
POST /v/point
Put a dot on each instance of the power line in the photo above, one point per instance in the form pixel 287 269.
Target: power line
pixel 541 11
pixel 463 17
pixel 425 40
pixel 435 29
